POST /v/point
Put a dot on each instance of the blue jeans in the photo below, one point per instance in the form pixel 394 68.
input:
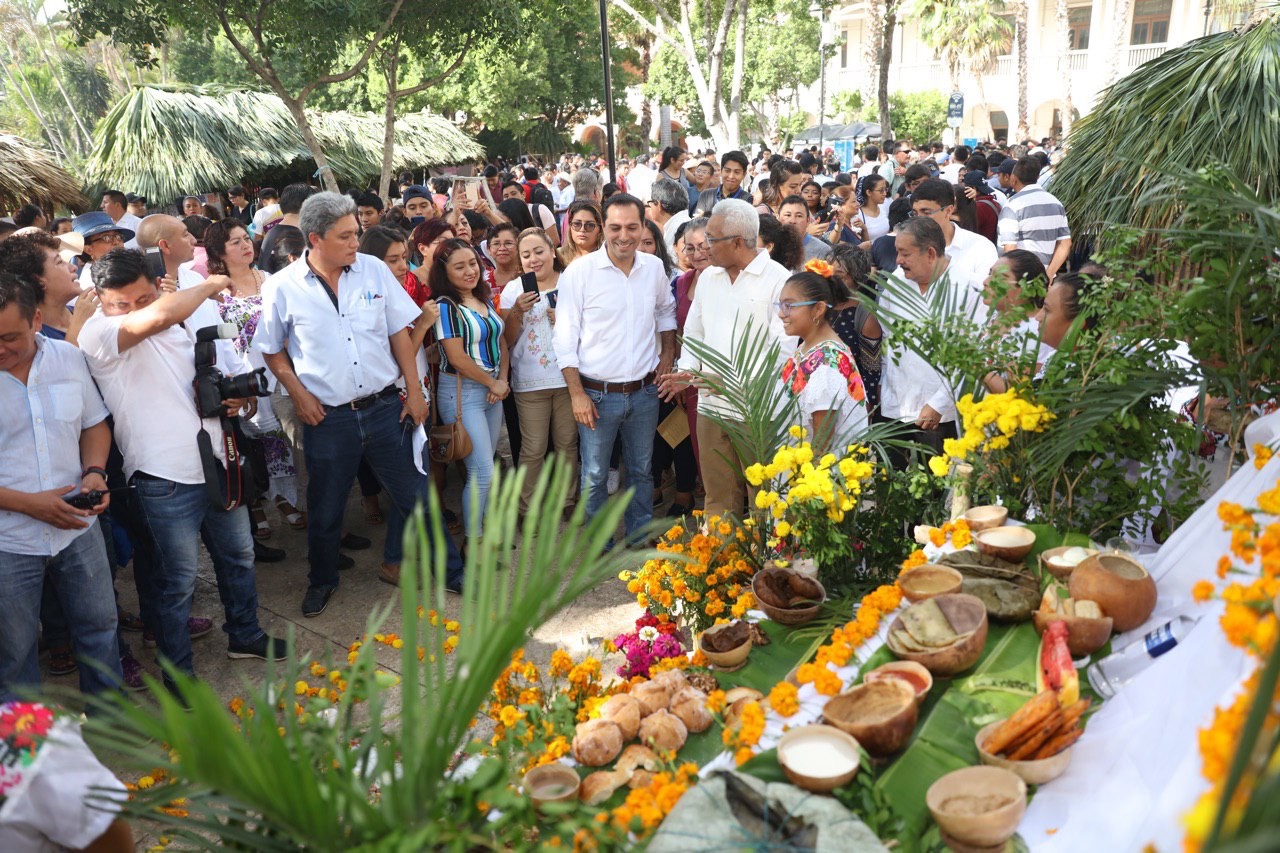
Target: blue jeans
pixel 178 516
pixel 333 450
pixel 483 422
pixel 81 579
pixel 634 417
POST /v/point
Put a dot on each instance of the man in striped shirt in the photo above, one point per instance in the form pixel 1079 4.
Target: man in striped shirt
pixel 1034 220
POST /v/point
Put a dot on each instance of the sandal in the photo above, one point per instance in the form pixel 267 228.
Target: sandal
pixel 292 516
pixel 261 529
pixel 372 510
pixel 62 661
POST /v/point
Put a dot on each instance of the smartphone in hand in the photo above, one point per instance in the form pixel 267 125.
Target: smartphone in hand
pixel 528 282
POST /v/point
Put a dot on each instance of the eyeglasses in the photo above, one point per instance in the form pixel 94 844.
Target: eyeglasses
pixel 785 307
pixel 916 213
pixel 108 237
pixel 711 239
pixel 585 225
pixel 690 249
pixel 502 244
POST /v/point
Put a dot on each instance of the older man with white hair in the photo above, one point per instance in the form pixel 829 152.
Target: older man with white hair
pixel 739 290
pixel 335 332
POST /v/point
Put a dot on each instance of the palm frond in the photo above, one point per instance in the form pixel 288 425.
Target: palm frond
pixel 29 173
pixel 167 141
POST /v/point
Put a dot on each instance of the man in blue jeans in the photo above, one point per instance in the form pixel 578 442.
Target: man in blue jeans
pixel 53 444
pixel 143 359
pixel 615 333
pixel 335 332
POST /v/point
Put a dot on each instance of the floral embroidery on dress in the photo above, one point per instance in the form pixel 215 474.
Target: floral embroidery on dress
pixel 798 369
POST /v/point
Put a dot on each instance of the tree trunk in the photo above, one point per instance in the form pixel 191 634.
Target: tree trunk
pixel 1064 64
pixel 84 134
pixel 1119 54
pixel 392 74
pixel 299 114
pixel 882 62
pixel 875 28
pixel 733 116
pixel 1020 46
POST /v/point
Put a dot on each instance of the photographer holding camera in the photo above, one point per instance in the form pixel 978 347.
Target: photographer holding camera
pixel 143 359
pixel 53 446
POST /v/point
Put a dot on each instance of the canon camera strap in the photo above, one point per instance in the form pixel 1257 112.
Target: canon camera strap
pixel 224 483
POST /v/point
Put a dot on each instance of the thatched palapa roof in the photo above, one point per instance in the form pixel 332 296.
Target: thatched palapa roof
pixel 31 174
pixel 162 142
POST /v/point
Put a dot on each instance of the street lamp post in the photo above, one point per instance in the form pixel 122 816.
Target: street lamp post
pixel 608 89
pixel 817 9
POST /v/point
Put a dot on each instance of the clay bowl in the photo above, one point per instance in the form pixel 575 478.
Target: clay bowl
pixel 965 613
pixel 1049 562
pixel 908 672
pixel 979 806
pixel 1031 772
pixel 731 659
pixel 1119 584
pixel 551 783
pixel 879 714
pixel 787 615
pixel 928 581
pixel 1007 543
pixel 986 517
pixel 1084 635
pixel 818 758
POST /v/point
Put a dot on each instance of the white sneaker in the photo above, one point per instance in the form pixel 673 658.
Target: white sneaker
pixel 615 480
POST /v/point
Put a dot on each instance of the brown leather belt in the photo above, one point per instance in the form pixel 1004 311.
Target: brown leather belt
pixel 618 387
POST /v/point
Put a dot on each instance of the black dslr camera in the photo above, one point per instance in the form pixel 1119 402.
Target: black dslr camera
pixel 212 386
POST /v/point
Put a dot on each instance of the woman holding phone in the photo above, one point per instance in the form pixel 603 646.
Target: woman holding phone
pixel 542 398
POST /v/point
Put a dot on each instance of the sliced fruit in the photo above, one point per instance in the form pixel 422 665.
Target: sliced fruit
pixel 1056 672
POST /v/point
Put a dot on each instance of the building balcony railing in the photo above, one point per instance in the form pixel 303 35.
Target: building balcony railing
pixel 1007 66
pixel 1079 60
pixel 1140 53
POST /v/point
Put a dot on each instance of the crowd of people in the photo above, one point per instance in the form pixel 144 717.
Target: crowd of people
pixel 557 306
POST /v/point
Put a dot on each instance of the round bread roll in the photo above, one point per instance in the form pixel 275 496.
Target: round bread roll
pixel 599 786
pixel 690 705
pixel 624 710
pixel 673 678
pixel 663 731
pixel 597 742
pixel 635 756
pixel 652 695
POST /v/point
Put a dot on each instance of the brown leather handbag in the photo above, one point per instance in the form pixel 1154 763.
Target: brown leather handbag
pixel 447 442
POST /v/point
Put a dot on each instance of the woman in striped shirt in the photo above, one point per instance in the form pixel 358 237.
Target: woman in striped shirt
pixel 474 365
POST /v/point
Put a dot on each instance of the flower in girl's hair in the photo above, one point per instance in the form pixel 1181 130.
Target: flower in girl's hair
pixel 819 266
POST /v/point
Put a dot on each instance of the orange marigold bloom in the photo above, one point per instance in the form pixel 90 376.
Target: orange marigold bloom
pixel 1202 591
pixel 1224 566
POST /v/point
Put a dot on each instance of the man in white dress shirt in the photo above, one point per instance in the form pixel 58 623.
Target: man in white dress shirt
pixel 615 333
pixel 116 205
pixel 969 254
pixel 912 391
pixel 741 288
pixel 335 332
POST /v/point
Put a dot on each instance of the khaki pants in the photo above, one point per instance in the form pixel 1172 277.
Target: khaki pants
pixel 722 471
pixel 546 414
pixel 287 414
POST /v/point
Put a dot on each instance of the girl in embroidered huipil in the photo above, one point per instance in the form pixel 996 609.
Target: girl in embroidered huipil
pixel 822 376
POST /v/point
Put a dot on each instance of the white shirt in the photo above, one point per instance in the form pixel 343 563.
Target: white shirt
pixel 607 322
pixel 640 181
pixel 971 254
pixel 722 308
pixel 533 355
pixel 131 222
pixel 148 390
pixel 339 355
pixel 230 362
pixel 907 382
pixel 40 439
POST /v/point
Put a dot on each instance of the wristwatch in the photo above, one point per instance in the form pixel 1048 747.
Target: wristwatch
pixel 94 469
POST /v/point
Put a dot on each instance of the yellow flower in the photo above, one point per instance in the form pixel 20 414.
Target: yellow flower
pixel 782 529
pixel 783 698
pixel 940 466
pixel 797 432
pixel 1261 455
pixel 300 688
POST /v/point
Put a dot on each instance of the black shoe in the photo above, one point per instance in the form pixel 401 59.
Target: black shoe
pixel 316 600
pixel 345 562
pixel 267 554
pixel 352 542
pixel 454 587
pixel 264 648
pixel 679 510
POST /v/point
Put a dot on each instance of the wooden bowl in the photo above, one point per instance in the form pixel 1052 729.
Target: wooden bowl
pixel 979 805
pixel 551 783
pixel 928 581
pixel 881 715
pixel 731 659
pixel 818 758
pixel 1084 635
pixel 1031 772
pixel 965 613
pixel 908 672
pixel 986 517
pixel 1007 543
pixel 1061 571
pixel 787 615
pixel 1119 584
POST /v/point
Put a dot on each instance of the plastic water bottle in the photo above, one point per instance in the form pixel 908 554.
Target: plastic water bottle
pixel 1117 669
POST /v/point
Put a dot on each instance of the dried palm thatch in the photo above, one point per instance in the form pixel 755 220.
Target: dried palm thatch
pixel 1214 101
pixel 31 174
pixel 162 142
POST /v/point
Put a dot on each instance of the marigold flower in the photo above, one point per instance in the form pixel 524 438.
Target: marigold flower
pixel 1261 456
pixel 1202 591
